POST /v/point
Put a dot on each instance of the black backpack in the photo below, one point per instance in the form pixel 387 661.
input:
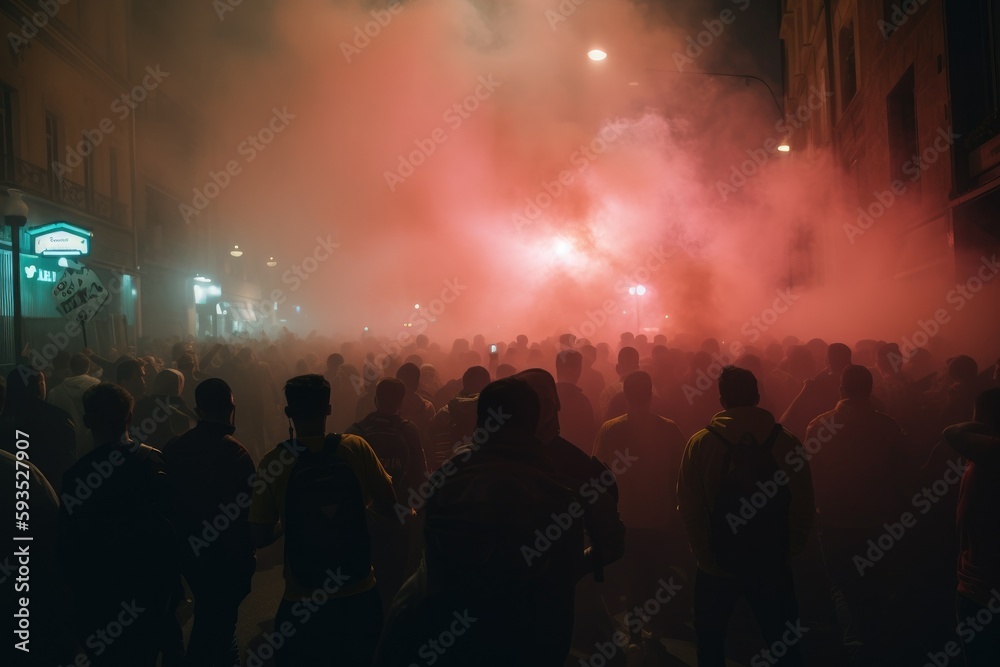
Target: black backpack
pixel 748 535
pixel 326 527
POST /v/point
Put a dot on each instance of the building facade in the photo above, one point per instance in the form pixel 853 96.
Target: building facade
pixel 68 113
pixel 913 130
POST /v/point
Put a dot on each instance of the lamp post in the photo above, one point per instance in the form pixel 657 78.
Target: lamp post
pixel 637 291
pixel 15 214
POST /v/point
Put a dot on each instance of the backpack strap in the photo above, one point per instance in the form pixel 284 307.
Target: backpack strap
pixel 714 431
pixel 773 437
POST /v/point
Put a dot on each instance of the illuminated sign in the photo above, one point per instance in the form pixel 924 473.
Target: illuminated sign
pixel 60 239
pixel 41 275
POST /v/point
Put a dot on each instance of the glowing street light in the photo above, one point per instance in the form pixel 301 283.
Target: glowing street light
pixel 271 263
pixel 597 55
pixel 236 252
pixel 416 306
pixel 784 147
pixel 637 291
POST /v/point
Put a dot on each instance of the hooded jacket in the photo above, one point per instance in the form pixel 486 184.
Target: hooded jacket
pixel 68 396
pixel 702 472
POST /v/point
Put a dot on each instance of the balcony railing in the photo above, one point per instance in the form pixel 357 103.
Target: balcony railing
pixel 42 182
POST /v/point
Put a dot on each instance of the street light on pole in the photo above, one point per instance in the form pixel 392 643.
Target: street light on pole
pixel 637 291
pixel 15 214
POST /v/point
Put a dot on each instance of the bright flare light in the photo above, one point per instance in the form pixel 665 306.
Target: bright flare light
pixel 236 252
pixel 596 55
pixel 784 147
pixel 416 306
pixel 640 290
pixel 562 247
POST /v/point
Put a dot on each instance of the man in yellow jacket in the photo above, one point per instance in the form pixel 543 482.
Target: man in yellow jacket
pixel 746 499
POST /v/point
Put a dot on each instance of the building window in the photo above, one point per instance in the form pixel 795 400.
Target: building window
pixel 113 174
pixel 6 130
pixel 51 141
pixel 901 111
pixel 88 174
pixel 848 65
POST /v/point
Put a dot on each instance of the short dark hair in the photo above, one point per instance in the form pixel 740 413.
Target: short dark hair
pixel 569 363
pixel 107 406
pixel 214 396
pixel 389 393
pixel 838 355
pixel 628 357
pixel 307 395
pixel 128 369
pixel 738 388
pixel 79 364
pixel 856 382
pixel 474 379
pixel 509 396
pixel 409 375
pixel 638 388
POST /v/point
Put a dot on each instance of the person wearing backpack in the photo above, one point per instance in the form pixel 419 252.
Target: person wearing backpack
pixel 116 538
pixel 315 489
pixel 746 500
pixel 396 442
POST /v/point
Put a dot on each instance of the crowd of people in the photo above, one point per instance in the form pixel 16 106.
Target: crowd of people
pixel 547 503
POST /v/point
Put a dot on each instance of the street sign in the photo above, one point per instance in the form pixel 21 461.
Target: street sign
pixel 60 239
pixel 79 293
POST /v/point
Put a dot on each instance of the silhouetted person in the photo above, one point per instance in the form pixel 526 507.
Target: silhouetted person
pixel 506 600
pixel 645 451
pixel 117 539
pixel 52 431
pixel 964 387
pixel 820 394
pixel 415 408
pixel 130 374
pixel 211 479
pixel 979 530
pixel 628 362
pixel 740 554
pixel 591 380
pixel 68 396
pixel 837 441
pixel 396 442
pixel 314 490
pixel 456 420
pixel 577 424
pixel 162 415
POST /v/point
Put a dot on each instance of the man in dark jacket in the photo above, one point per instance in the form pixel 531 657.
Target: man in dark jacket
pixel 52 431
pixel 758 570
pixel 211 480
pixel 116 538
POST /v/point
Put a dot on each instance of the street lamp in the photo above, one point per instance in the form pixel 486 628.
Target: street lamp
pixel 271 263
pixel 784 147
pixel 236 252
pixel 637 291
pixel 15 214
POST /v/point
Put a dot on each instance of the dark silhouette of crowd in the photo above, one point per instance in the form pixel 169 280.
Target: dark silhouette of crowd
pixel 556 502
